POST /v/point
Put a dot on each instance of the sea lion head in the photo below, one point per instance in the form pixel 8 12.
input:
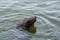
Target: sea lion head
pixel 27 23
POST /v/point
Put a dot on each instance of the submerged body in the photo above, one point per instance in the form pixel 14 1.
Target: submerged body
pixel 21 32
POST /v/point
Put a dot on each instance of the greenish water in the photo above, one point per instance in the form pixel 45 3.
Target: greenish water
pixel 47 12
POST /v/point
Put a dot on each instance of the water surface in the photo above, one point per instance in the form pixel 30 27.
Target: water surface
pixel 47 12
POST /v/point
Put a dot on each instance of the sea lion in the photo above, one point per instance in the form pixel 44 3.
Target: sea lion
pixel 27 24
pixel 20 33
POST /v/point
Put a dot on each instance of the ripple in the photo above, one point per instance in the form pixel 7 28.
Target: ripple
pixel 47 12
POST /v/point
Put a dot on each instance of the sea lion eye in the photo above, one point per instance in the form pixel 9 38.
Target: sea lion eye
pixel 29 21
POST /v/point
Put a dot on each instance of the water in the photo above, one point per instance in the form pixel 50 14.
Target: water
pixel 47 12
